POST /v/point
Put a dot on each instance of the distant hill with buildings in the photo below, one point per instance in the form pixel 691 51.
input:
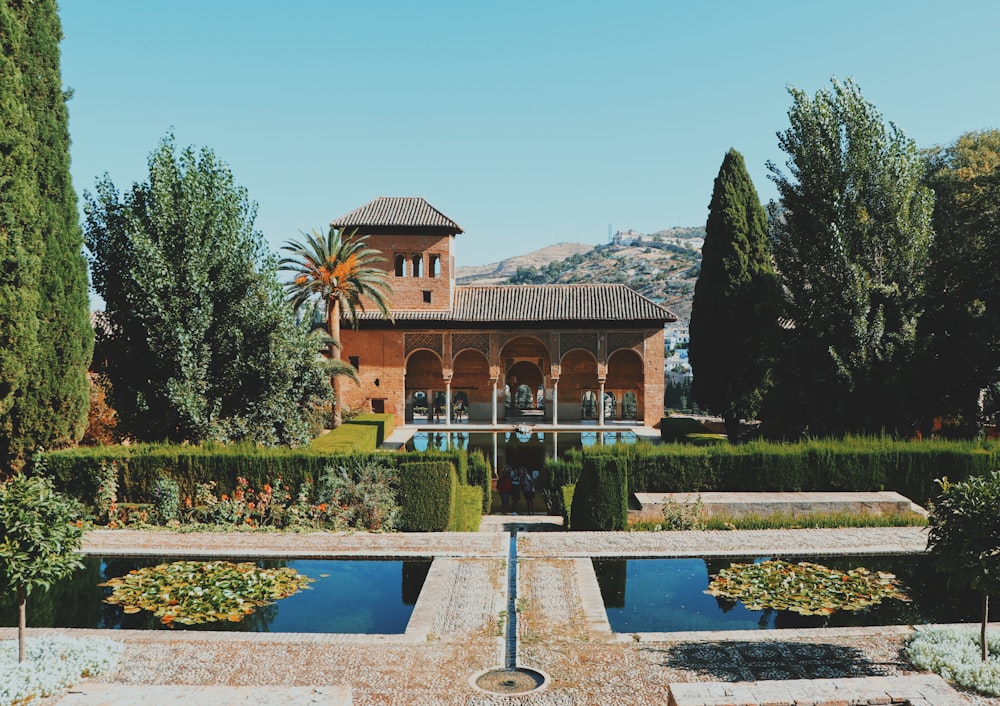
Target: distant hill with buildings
pixel 662 266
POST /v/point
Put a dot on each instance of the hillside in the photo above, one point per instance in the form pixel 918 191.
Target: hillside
pixel 662 266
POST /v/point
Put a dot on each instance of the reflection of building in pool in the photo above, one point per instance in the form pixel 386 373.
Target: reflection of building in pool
pixel 491 354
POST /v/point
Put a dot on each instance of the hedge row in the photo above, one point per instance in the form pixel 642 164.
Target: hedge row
pixel 853 464
pixel 365 432
pixel 77 471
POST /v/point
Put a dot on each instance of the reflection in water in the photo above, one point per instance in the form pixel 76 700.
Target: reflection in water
pixel 347 596
pixel 667 595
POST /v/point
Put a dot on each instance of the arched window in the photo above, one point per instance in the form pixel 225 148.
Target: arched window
pixel 588 405
pixel 400 266
pixel 523 400
pixel 630 407
pixel 435 266
pixel 610 405
pixel 418 265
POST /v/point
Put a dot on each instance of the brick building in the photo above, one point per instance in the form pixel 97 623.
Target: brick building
pixel 495 354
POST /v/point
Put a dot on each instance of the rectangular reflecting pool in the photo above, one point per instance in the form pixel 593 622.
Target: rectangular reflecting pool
pixel 668 595
pixel 347 596
pixel 512 448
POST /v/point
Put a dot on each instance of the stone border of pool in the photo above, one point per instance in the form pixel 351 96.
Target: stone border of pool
pixel 458 636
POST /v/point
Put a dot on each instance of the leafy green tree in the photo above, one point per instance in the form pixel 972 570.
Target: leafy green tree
pixel 962 320
pixel 199 343
pixel 734 313
pixel 46 339
pixel 39 540
pixel 341 273
pixel 850 239
pixel 964 538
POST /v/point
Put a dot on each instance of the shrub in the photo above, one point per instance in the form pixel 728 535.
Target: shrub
pixel 600 501
pixel 167 499
pixel 481 475
pixel 684 516
pixel 468 509
pixel 954 653
pixel 360 494
pixel 53 663
pixel 426 495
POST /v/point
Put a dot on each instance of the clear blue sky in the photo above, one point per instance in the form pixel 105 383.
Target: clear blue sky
pixel 527 122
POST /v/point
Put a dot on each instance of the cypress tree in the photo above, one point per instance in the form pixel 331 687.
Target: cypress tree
pixel 53 408
pixel 20 240
pixel 733 316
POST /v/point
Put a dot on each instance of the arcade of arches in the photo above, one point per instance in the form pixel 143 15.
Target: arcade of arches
pixel 553 378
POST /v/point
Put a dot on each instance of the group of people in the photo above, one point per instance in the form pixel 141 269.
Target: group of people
pixel 512 483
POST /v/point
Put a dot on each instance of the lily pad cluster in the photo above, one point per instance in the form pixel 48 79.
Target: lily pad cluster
pixel 805 588
pixel 192 592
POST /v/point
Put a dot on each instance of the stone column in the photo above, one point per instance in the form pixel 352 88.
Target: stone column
pixel 600 405
pixel 447 401
pixel 494 405
pixel 555 401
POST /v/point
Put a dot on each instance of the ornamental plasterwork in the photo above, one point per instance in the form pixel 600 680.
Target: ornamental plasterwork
pixel 588 341
pixel 476 341
pixel 430 341
pixel 625 339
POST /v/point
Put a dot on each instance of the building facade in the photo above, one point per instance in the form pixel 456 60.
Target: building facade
pixel 558 354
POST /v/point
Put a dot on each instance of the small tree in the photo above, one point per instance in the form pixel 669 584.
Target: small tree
pixel 40 540
pixel 964 537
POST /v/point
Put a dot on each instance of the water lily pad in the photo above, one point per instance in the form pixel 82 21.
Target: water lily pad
pixel 805 588
pixel 193 592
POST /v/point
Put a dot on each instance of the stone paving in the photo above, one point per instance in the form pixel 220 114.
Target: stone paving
pixel 456 633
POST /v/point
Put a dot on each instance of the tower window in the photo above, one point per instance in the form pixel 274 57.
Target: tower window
pixel 427 296
pixel 418 265
pixel 435 265
pixel 401 265
pixel 355 362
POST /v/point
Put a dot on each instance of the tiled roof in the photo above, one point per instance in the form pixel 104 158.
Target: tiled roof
pixel 397 211
pixel 543 303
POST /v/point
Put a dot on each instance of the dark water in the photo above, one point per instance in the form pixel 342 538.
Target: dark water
pixel 667 595
pixel 347 596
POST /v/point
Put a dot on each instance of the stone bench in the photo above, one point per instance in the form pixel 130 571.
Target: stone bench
pixel 762 504
pixel 908 690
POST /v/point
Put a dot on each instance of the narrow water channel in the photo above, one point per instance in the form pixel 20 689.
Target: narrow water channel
pixel 510 661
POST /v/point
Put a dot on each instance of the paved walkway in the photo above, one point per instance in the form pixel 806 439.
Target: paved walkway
pixel 456 632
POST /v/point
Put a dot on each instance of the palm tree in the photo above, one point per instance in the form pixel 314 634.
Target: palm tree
pixel 341 272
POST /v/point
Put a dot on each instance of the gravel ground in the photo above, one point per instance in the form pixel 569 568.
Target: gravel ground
pixel 554 634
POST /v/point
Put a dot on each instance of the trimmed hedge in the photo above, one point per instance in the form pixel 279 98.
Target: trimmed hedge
pixel 77 472
pixel 384 423
pixel 480 475
pixel 427 495
pixel 852 464
pixel 468 509
pixel 348 438
pixel 600 500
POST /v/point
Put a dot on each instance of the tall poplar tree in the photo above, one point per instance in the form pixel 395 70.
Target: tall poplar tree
pixel 734 313
pixel 45 335
pixel 850 239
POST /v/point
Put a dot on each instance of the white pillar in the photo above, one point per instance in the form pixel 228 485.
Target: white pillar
pixel 447 401
pixel 494 416
pixel 600 406
pixel 555 401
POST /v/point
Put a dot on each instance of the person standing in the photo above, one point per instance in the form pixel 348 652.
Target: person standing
pixel 528 488
pixel 504 487
pixel 515 488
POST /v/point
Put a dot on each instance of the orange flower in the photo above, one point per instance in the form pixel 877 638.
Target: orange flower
pixel 187 502
pixel 225 497
pixel 251 506
pixel 322 507
pixel 267 488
